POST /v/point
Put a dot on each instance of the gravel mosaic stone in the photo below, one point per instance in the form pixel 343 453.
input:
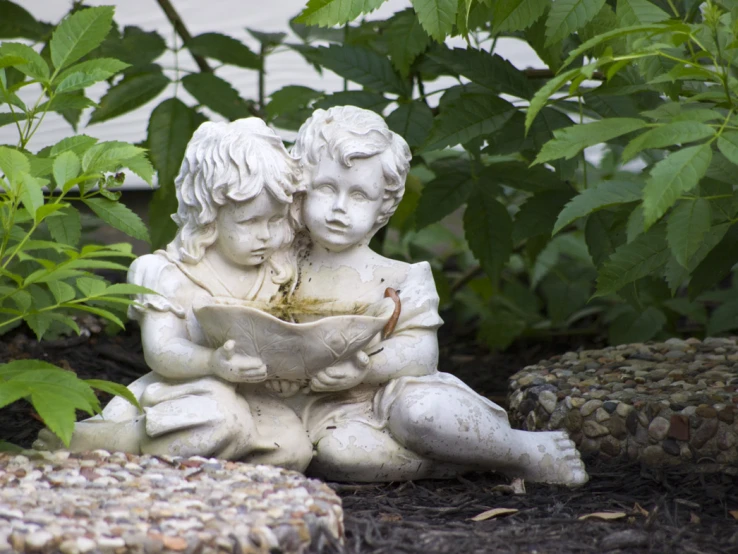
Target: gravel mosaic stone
pixel 662 403
pixel 119 503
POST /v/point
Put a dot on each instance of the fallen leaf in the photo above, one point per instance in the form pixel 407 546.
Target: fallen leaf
pixel 516 487
pixel 734 513
pixel 494 512
pixel 637 508
pixel 694 518
pixel 386 517
pixel 604 515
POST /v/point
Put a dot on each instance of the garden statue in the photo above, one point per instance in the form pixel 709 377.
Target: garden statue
pixel 278 336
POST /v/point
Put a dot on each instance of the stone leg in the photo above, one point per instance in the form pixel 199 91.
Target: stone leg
pixel 457 426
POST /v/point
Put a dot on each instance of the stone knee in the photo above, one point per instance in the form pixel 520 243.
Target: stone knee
pixel 292 450
pixel 413 420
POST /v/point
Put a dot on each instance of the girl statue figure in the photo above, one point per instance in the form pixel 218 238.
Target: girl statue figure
pixel 388 414
pixel 234 189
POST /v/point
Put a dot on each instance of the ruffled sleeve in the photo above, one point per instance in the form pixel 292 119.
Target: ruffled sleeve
pixel 155 272
pixel 419 300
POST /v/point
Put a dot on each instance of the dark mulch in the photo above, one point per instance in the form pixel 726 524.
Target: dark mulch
pixel 666 511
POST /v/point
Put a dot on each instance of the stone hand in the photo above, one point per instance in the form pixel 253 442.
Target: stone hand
pixel 236 368
pixel 282 388
pixel 342 375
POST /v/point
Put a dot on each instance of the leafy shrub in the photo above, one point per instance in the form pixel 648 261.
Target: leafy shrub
pixel 45 274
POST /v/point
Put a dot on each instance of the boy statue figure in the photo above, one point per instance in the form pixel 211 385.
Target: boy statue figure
pixel 378 412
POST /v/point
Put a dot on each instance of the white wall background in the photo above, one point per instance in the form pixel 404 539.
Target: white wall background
pixel 229 17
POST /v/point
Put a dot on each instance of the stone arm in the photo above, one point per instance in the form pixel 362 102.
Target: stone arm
pixel 412 352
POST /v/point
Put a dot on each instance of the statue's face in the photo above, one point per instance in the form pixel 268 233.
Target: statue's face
pixel 343 204
pixel 249 232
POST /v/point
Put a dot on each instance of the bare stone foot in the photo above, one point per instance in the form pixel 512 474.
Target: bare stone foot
pixel 47 441
pixel 552 458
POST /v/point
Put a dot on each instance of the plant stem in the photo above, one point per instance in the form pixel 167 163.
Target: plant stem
pixel 179 26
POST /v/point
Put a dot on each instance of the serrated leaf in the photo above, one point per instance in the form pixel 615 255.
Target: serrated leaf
pixel 541 97
pixel 119 216
pixel 8 118
pixel 108 156
pixel 728 145
pixel 406 40
pixel 66 167
pixel 436 16
pixel 290 99
pixel 328 13
pixel 632 326
pixel 62 292
pixel 141 166
pixel 39 323
pixel 80 33
pixel 644 256
pixel 471 116
pixel 568 16
pixel 130 93
pixel 359 98
pixel 65 227
pixel 115 389
pixel 91 287
pixel 516 15
pixel 224 49
pixel 518 176
pixel 217 94
pixel 570 141
pixel 686 228
pixel 678 132
pixel 127 288
pixel 23 300
pixel 136 47
pixel 538 214
pixel 638 12
pixel 716 264
pixel 35 66
pixel 412 121
pixel 13 164
pixel 171 126
pixel 488 230
pixel 267 40
pixel 724 318
pixel 489 70
pixel 16 22
pixel 78 144
pixel 66 101
pixel 31 193
pixel 604 195
pixel 443 195
pixel 678 173
pixel 362 66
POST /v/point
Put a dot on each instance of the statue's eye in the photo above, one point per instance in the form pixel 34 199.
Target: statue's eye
pixel 324 188
pixel 359 196
pixel 277 219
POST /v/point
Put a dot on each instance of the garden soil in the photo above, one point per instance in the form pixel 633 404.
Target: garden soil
pixel 625 508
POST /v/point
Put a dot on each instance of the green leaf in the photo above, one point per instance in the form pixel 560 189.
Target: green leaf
pixel 359 98
pixel 110 316
pixel 638 12
pixel 412 121
pixel 217 94
pixel 644 256
pixel 724 318
pixel 267 40
pixel 436 16
pixel 91 287
pixel 686 228
pixel 13 164
pixel 489 70
pixel 130 93
pixel 35 66
pixel 634 326
pixel 516 15
pixel 406 40
pixel 362 66
pixel 88 73
pixel 443 195
pixel 290 99
pixel 127 288
pixel 66 167
pixel 62 292
pixel 728 145
pixel 604 195
pixel 537 215
pixel 568 16
pixel 518 176
pixel 119 216
pixel 171 126
pixel 108 156
pixel 488 230
pixel 8 118
pixel 16 22
pixel 541 97
pixel 80 33
pixel 678 132
pixel 568 142
pixel 471 116
pixel 78 144
pixel 141 166
pixel 717 263
pixel 116 389
pixel 136 47
pixel 31 194
pixel 224 49
pixel 500 327
pixel 328 13
pixel 161 208
pixel 678 173
pixel 66 101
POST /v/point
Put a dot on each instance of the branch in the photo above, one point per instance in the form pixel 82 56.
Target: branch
pixel 549 74
pixel 182 31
